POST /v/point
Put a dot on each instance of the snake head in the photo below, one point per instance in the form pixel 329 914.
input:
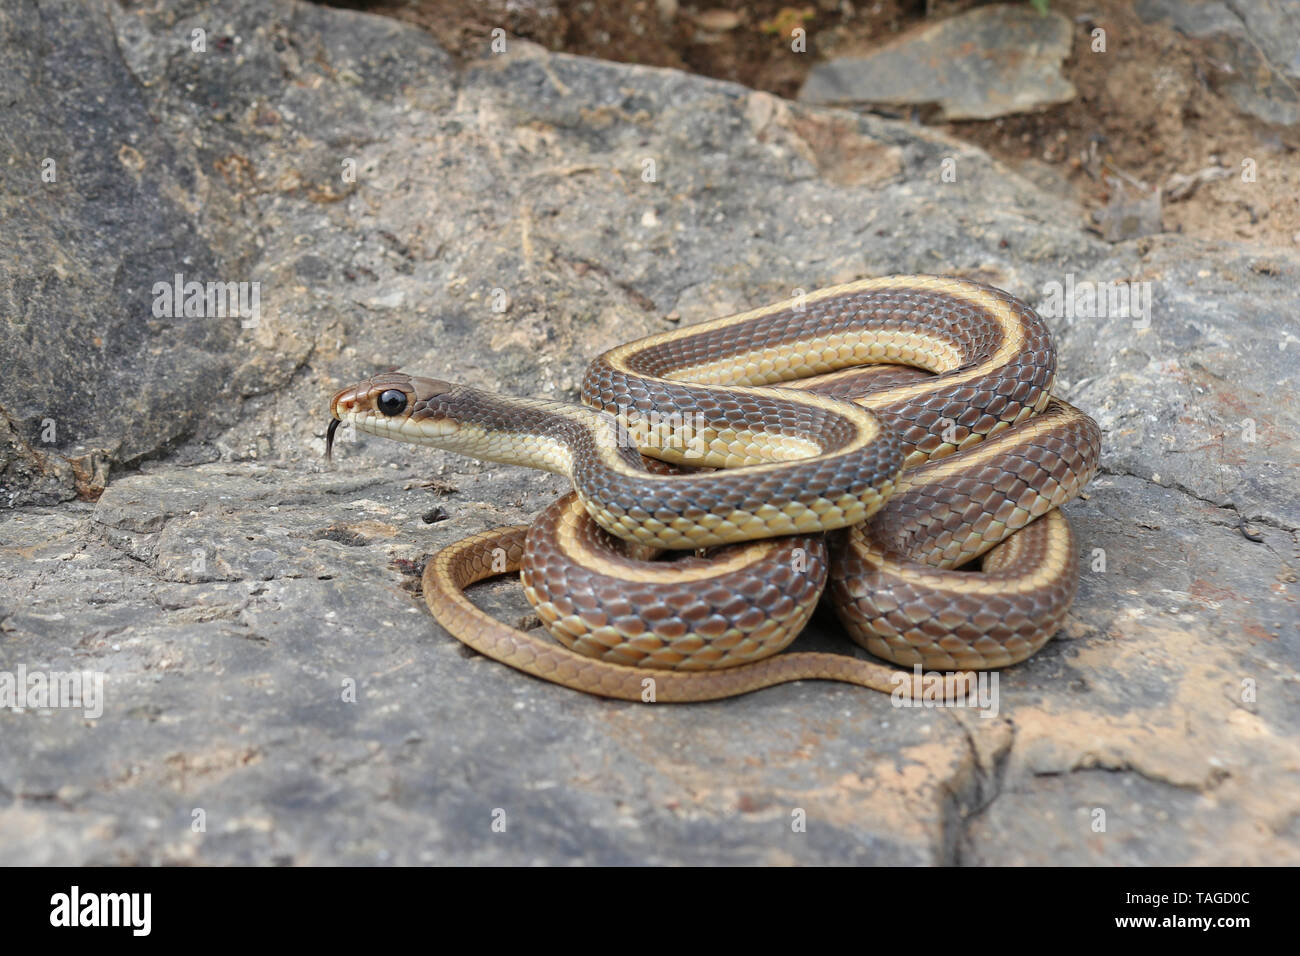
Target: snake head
pixel 394 405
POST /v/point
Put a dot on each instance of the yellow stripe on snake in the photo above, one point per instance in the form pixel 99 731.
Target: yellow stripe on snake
pixel 914 411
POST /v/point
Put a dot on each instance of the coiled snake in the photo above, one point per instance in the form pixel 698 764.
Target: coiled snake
pixel 914 411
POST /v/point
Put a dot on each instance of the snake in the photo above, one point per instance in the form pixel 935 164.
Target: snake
pixel 872 441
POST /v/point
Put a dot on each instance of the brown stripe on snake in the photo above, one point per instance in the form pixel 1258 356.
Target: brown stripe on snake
pixel 947 512
pixel 500 551
pixel 998 500
pixel 745 602
pixel 992 619
pixel 991 354
pixel 987 368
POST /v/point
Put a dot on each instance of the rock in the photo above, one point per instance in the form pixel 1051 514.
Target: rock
pixel 1255 47
pixel 988 62
pixel 1129 215
pixel 93 376
pixel 274 690
pixel 1193 388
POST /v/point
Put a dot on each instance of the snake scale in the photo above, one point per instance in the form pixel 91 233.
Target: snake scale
pixel 911 417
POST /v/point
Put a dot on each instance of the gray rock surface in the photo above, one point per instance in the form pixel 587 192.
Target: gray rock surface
pixel 1256 48
pixel 266 657
pixel 987 62
pixel 93 196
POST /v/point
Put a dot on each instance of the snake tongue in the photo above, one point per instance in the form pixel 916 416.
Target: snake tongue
pixel 329 439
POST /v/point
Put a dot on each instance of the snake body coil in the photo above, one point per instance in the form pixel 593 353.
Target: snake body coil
pixel 951 435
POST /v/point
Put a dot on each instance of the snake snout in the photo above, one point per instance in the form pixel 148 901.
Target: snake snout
pixel 342 403
pixel 355 398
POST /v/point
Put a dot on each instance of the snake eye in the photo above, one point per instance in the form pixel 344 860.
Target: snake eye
pixel 392 402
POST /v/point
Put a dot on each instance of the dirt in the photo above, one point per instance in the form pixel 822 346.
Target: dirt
pixel 1149 111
